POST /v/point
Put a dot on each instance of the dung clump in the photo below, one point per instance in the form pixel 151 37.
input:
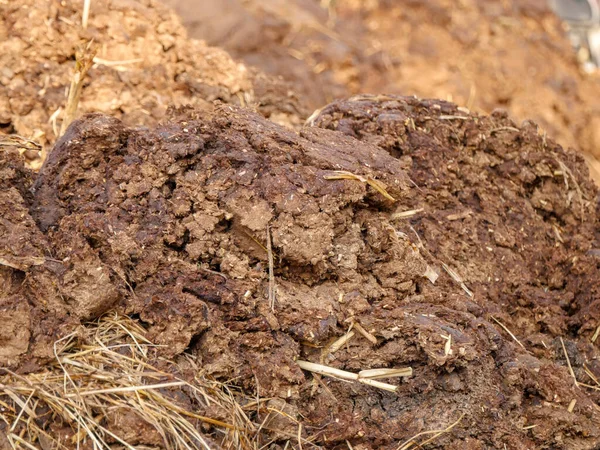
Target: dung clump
pixel 472 270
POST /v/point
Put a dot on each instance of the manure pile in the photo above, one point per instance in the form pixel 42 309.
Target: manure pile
pixel 425 237
pixel 193 268
pixel 511 54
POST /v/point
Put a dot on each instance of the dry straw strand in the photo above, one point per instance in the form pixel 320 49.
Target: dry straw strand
pixel 436 433
pixel 562 343
pixel 505 328
pixel 345 175
pixel 83 61
pixel 103 369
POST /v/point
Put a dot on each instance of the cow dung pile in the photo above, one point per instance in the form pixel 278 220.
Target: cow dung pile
pixel 388 233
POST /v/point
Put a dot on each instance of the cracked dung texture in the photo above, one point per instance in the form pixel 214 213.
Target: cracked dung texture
pixel 169 224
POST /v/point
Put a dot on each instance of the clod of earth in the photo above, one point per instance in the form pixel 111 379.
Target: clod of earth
pixel 169 225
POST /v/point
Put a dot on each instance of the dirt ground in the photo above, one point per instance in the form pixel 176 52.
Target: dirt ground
pixel 144 63
pixel 462 246
pixel 504 54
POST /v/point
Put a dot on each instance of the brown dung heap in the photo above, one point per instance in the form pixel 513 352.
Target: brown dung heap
pixel 195 226
pixel 193 276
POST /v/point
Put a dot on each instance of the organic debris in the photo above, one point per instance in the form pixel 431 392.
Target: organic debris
pixel 104 387
pixel 480 54
pixel 367 377
pixel 344 175
pixel 83 61
pixel 167 225
pixel 143 64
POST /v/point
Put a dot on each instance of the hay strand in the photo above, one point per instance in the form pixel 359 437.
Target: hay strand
pixel 458 279
pixel 358 327
pixel 345 175
pixel 83 61
pixel 505 328
pixel 436 433
pixel 86 14
pixel 368 377
pixel 105 371
pixel 406 214
pixel 272 287
pixel 340 342
pixel 562 343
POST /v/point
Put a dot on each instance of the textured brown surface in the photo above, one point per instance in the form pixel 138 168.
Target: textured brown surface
pixel 481 54
pixel 146 63
pixel 169 224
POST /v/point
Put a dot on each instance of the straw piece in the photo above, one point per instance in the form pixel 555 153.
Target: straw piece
pixel 345 175
pixel 83 62
pixel 340 342
pixel 327 371
pixel 128 389
pixel 368 377
pixel 458 279
pixel 406 214
pixel 378 384
pixel 271 271
pixel 358 327
pixel 569 362
pixel 508 331
pixel 436 433
pixel 385 373
pixel 86 13
pixel 596 334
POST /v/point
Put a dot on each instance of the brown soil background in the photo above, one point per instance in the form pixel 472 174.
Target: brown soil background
pixel 504 54
pixel 146 64
pixel 163 215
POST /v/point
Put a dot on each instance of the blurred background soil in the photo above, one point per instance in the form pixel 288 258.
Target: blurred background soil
pixel 505 54
pixel 144 63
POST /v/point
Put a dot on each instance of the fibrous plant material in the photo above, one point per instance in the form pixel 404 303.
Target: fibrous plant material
pixel 562 343
pixel 105 372
pixel 20 142
pixel 411 443
pixel 340 342
pixel 272 287
pixel 456 277
pixel 367 377
pixel 358 327
pixel 406 214
pixel 505 328
pixel 158 224
pixel 345 175
pixel 29 148
pixel 84 59
pixel 596 334
pixel 86 13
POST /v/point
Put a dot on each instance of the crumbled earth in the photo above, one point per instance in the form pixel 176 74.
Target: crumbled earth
pixel 172 225
pixel 144 63
pixel 510 54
